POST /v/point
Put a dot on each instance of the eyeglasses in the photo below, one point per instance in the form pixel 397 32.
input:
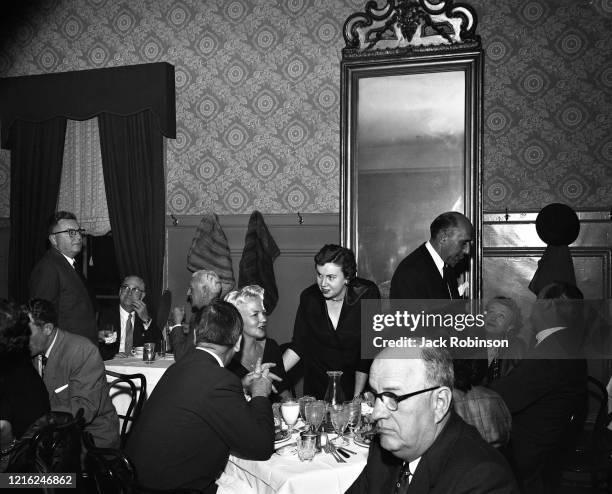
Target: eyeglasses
pixel 137 292
pixel 72 232
pixel 391 400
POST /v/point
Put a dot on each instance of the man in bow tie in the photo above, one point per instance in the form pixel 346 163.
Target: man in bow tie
pixel 128 325
pixel 74 374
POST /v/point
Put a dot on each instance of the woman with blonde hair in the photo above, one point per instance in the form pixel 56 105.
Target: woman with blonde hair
pixel 256 348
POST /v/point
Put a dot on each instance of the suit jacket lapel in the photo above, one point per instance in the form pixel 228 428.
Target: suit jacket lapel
pixel 438 284
pixel 435 458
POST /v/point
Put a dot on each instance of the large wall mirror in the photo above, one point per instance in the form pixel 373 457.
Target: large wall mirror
pixel 411 126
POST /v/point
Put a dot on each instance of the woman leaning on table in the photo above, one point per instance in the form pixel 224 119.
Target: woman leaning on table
pixel 327 330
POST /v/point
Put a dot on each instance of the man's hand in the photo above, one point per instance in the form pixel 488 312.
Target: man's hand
pixel 141 309
pixel 259 382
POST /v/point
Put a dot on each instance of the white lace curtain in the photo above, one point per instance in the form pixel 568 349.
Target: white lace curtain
pixel 82 186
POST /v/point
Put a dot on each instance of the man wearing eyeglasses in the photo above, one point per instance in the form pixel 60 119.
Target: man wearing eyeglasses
pixel 56 278
pixel 129 325
pixel 423 446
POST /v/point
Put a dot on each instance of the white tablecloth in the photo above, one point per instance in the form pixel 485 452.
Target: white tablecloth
pixel 152 372
pixel 288 475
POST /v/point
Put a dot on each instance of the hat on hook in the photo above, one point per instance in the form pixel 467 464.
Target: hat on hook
pixel 557 224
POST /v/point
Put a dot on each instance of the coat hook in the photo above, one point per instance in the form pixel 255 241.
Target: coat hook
pixel 300 219
pixel 175 220
pixel 507 215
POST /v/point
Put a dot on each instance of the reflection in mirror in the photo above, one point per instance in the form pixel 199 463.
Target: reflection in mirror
pixel 410 135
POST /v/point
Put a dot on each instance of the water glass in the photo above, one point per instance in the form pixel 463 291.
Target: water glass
pixel 290 411
pixel 303 401
pixel 315 413
pixel 339 415
pixel 306 447
pixel 148 353
pixel 354 408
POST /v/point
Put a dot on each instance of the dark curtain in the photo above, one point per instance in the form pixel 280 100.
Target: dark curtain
pixel 132 161
pixel 37 151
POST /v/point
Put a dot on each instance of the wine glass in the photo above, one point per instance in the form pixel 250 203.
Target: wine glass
pixel 315 412
pixel 290 409
pixel 354 415
pixel 339 415
pixel 303 401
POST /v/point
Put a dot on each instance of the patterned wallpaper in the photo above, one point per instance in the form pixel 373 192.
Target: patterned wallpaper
pixel 258 95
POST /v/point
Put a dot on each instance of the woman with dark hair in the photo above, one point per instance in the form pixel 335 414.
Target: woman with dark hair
pixel 503 320
pixel 23 395
pixel 327 330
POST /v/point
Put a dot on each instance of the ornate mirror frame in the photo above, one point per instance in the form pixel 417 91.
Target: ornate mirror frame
pixel 411 116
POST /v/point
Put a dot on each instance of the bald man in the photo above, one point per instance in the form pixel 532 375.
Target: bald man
pixel 128 325
pixel 422 442
pixel 429 271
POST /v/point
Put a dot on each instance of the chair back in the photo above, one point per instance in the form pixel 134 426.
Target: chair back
pixel 110 470
pixel 52 444
pixel 598 395
pixel 135 386
pixel 163 309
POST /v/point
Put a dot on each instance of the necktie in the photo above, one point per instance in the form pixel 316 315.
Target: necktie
pixel 447 276
pixel 403 480
pixel 42 361
pixel 129 334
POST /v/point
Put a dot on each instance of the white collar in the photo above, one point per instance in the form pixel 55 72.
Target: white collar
pixel 545 333
pixel 123 312
pixel 217 358
pixel 413 466
pixel 69 259
pixel 436 258
pixel 48 352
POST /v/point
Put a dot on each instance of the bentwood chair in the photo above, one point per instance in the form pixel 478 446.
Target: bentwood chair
pixel 129 384
pixel 113 472
pixel 51 445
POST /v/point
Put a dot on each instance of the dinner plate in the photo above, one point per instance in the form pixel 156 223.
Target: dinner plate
pixel 281 436
pixel 364 442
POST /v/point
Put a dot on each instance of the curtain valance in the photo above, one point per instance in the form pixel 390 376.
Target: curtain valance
pixel 83 94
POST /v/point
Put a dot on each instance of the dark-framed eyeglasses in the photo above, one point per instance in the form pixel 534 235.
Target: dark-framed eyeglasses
pixel 72 232
pixel 132 290
pixel 391 400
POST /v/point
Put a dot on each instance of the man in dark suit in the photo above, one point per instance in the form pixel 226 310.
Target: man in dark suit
pixel 55 278
pixel 197 413
pixel 128 325
pixel 422 445
pixel 204 287
pixel 546 388
pixel 74 374
pixel 428 272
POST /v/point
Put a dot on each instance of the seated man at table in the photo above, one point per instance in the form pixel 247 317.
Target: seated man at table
pixel 197 413
pixel 128 325
pixel 204 287
pixel 73 373
pixel 423 445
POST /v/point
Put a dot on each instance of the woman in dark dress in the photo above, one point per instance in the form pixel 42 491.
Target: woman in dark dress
pixel 256 348
pixel 23 395
pixel 327 330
